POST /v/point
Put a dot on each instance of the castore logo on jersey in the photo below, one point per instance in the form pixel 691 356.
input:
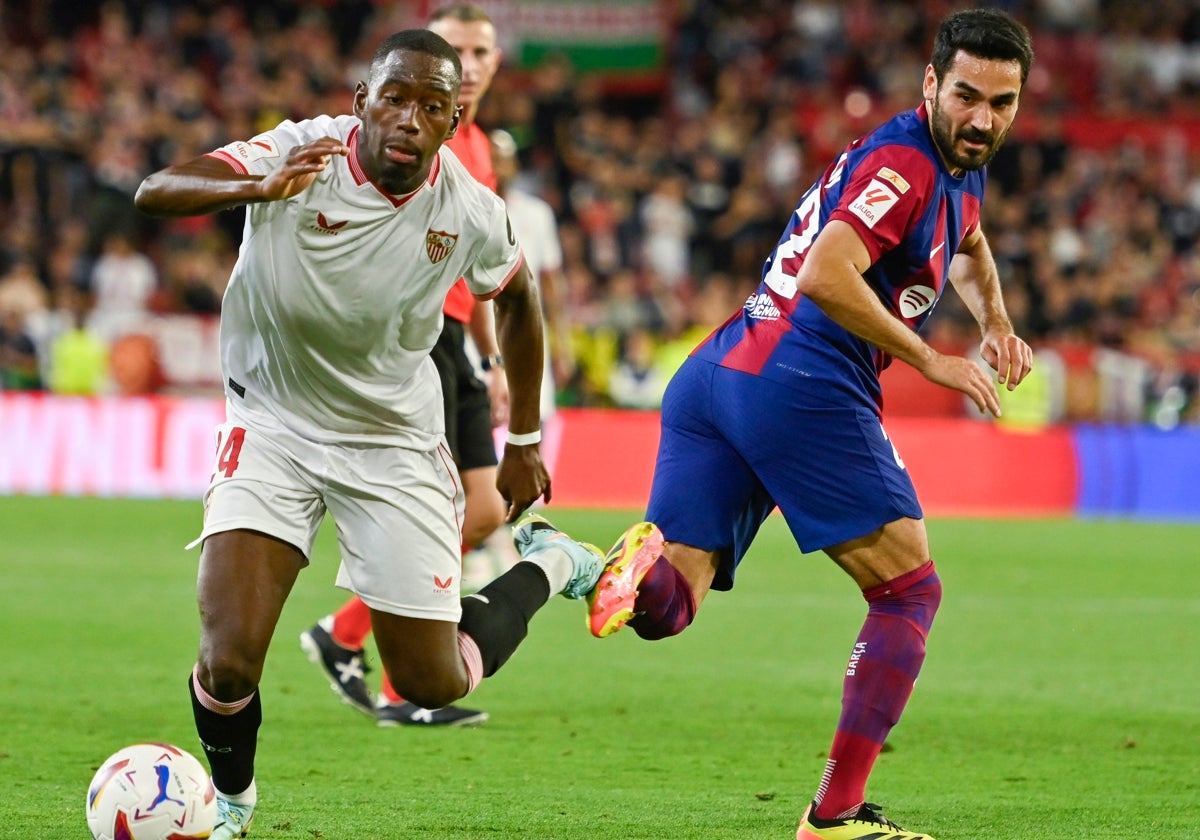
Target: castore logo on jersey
pixel 323 225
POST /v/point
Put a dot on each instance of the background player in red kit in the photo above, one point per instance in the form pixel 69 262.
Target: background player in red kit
pixel 781 405
pixel 473 405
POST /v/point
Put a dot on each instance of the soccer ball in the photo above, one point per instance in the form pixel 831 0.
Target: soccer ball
pixel 151 792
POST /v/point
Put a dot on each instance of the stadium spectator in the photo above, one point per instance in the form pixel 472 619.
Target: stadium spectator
pixel 781 405
pixel 666 224
pixel 90 103
pixel 19 366
pixel 476 399
pixel 77 358
pixel 22 292
pixel 328 406
pixel 69 264
pixel 123 281
pixel 134 365
pixel 636 381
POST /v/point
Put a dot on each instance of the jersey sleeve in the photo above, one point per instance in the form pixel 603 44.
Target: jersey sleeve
pixel 264 152
pixel 885 196
pixel 499 258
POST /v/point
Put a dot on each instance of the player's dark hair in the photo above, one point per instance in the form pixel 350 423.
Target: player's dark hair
pixel 983 33
pixel 462 12
pixel 417 40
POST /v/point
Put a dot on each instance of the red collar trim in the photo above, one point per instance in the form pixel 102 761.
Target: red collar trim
pixel 360 175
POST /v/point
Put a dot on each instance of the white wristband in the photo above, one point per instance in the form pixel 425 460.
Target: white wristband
pixel 527 439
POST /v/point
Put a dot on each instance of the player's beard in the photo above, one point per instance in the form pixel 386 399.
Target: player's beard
pixel 946 141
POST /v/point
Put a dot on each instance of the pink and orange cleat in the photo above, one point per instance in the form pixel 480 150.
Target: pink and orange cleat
pixel 610 603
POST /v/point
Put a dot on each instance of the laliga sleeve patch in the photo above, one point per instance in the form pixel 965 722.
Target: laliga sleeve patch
pixel 261 147
pixel 874 201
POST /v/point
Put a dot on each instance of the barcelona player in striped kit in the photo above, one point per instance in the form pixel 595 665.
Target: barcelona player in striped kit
pixel 781 405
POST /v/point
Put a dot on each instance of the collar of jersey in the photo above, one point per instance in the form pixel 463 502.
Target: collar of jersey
pixel 360 175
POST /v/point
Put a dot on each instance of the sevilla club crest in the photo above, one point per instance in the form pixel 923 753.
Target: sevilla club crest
pixel 439 244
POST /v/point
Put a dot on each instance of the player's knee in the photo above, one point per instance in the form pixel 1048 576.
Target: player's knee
pixel 933 599
pixel 228 676
pixel 917 594
pixel 429 685
pixel 926 589
pixel 934 596
pixel 431 692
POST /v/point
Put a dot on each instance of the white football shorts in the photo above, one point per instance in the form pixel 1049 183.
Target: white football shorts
pixel 399 512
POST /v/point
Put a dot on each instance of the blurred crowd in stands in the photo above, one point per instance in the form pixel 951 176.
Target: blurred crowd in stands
pixel 669 191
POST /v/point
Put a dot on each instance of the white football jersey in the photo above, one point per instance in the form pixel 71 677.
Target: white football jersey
pixel 336 298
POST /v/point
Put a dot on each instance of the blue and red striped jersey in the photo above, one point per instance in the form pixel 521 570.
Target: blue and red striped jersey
pixel 893 188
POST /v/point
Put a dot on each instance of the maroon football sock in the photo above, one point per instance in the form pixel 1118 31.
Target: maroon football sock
pixel 665 604
pixel 879 680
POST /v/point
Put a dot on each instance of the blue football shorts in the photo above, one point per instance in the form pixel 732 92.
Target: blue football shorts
pixel 734 446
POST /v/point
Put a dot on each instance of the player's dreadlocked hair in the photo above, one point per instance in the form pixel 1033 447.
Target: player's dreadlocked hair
pixel 983 33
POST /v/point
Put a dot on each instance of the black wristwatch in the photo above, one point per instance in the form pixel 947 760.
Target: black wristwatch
pixel 491 361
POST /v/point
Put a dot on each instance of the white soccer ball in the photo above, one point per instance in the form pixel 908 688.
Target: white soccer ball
pixel 151 792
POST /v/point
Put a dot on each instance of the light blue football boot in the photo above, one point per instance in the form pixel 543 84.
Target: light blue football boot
pixel 232 820
pixel 534 534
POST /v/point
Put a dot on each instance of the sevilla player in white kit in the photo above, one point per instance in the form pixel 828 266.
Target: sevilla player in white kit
pixel 475 401
pixel 356 228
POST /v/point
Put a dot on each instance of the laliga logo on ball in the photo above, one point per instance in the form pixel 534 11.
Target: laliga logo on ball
pixel 916 299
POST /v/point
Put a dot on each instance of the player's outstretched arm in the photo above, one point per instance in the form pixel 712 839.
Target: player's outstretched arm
pixel 207 184
pixel 521 477
pixel 974 276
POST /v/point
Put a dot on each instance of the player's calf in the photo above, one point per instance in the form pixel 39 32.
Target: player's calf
pixel 665 604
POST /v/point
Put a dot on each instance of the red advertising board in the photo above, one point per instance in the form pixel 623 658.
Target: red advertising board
pixel 156 447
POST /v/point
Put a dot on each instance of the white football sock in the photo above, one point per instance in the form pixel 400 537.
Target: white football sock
pixel 555 564
pixel 247 797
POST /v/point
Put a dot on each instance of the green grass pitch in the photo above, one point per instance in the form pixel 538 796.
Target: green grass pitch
pixel 1059 699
